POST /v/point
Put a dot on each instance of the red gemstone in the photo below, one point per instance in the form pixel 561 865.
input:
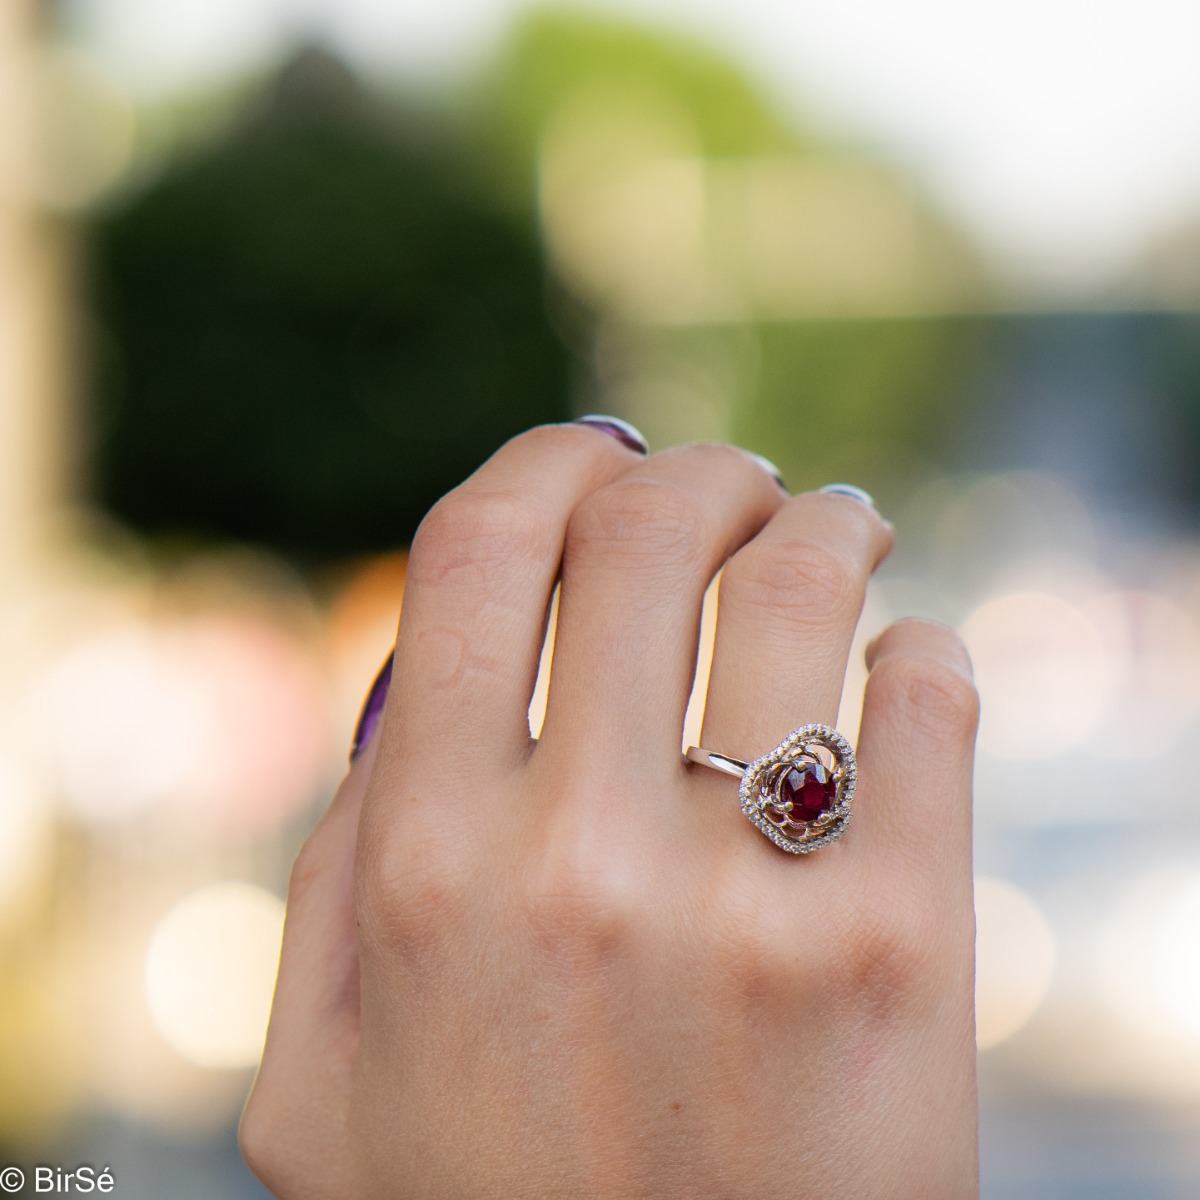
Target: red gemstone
pixel 811 790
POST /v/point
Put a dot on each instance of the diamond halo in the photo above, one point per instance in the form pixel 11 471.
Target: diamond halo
pixel 816 751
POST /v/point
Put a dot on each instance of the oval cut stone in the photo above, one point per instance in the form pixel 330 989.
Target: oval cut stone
pixel 810 789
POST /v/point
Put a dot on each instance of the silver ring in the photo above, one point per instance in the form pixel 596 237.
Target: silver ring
pixel 799 794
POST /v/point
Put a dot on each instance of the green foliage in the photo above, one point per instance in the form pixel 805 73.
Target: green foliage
pixel 875 392
pixel 314 327
pixel 873 401
pixel 310 332
pixel 552 55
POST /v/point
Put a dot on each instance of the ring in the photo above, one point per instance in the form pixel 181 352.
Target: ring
pixel 799 794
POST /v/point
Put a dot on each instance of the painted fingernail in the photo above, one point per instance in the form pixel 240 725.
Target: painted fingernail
pixel 625 433
pixel 848 489
pixel 770 468
pixel 371 709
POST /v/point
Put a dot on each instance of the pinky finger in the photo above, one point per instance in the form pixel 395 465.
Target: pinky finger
pixel 916 752
pixel 292 1129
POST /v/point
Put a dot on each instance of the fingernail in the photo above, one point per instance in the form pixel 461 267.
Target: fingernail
pixel 625 433
pixel 770 468
pixel 371 709
pixel 848 489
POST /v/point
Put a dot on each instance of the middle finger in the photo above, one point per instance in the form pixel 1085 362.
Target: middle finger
pixel 639 554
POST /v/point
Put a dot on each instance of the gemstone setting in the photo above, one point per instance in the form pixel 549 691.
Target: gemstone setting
pixel 799 794
pixel 805 792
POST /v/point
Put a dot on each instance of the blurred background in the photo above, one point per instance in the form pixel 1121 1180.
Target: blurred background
pixel 275 274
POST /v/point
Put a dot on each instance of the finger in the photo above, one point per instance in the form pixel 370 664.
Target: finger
pixel 480 576
pixel 638 558
pixel 787 609
pixel 303 1079
pixel 916 750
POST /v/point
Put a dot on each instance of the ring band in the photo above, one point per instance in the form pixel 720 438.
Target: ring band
pixel 718 762
pixel 799 794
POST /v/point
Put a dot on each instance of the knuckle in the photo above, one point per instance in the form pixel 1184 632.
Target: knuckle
pixel 640 519
pixel 580 904
pixel 757 955
pixel 470 533
pixel 548 439
pixel 410 896
pixel 710 457
pixel 764 970
pixel 811 582
pixel 570 446
pixel 309 870
pixel 891 959
pixel 556 442
pixel 873 957
pixel 934 697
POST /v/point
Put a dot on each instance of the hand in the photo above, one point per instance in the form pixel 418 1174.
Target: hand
pixel 572 968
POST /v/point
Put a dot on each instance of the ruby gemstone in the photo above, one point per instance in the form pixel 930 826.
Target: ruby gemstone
pixel 811 790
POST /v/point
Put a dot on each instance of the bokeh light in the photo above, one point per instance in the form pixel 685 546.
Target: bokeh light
pixel 257 729
pixel 26 831
pixel 1044 669
pixel 1026 519
pixel 1154 650
pixel 220 717
pixel 210 973
pixel 116 723
pixel 1015 955
pixel 1148 956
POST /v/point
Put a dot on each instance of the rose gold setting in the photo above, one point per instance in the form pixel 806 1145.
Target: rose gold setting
pixel 815 748
pixel 759 793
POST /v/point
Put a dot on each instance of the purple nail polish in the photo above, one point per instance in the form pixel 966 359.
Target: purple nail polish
pixel 371 709
pixel 625 433
pixel 848 489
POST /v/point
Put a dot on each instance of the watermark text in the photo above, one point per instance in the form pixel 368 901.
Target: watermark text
pixel 81 1180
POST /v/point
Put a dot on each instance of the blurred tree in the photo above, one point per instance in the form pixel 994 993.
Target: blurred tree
pixel 312 330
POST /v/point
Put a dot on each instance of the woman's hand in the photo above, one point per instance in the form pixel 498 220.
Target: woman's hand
pixel 572 968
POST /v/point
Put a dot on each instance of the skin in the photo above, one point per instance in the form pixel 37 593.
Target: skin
pixel 572 968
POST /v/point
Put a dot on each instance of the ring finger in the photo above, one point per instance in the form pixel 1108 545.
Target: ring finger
pixel 639 555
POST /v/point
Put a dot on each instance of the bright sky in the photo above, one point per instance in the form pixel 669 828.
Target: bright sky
pixel 1066 133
